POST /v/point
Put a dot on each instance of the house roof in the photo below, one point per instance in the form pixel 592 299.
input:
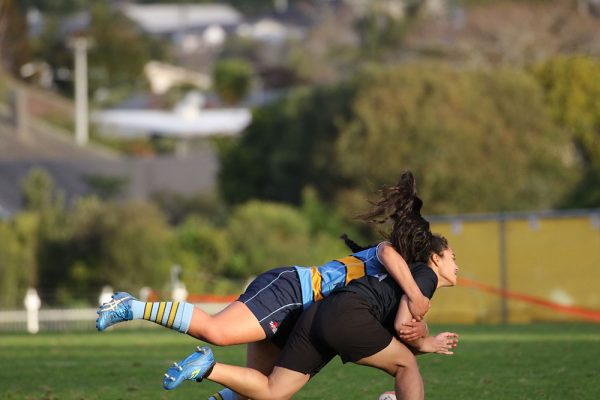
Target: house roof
pixel 181 123
pixel 169 18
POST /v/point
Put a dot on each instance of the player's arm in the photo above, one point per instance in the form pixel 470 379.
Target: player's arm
pixel 398 269
pixel 441 343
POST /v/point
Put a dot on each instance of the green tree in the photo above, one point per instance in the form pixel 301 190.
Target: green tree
pixel 16 261
pixel 118 54
pixel 14 46
pixel 572 88
pixel 232 79
pixel 478 141
pixel 39 193
pixel 120 49
pixel 289 145
pixel 381 30
pixel 43 221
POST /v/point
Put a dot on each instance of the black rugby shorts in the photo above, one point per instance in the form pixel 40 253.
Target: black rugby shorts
pixel 341 324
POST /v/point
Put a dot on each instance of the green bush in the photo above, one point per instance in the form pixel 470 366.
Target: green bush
pixel 16 260
pixel 267 235
pixel 232 79
pixel 124 245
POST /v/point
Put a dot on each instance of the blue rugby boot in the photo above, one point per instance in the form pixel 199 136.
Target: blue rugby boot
pixel 116 310
pixel 194 367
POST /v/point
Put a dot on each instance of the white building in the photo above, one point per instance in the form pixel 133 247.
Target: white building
pixel 192 26
pixel 187 120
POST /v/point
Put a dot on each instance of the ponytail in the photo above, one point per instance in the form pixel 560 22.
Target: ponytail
pixel 400 206
pixel 352 245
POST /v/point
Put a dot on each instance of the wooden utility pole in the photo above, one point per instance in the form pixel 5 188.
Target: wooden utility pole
pixel 80 46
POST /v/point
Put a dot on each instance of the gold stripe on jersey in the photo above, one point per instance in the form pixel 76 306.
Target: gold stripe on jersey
pixel 161 311
pixel 147 311
pixel 174 308
pixel 316 283
pixel 217 396
pixel 355 268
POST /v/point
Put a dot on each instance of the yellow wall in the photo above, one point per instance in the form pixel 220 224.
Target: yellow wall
pixel 554 258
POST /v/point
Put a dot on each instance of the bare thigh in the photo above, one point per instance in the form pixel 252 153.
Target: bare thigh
pixel 235 324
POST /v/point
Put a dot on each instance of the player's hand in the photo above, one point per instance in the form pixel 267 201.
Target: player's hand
pixel 444 343
pixel 419 307
pixel 413 330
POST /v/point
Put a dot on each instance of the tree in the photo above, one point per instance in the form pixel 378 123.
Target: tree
pixel 572 88
pixel 515 33
pixel 39 193
pixel 120 49
pixel 232 79
pixel 16 259
pixel 288 146
pixel 14 46
pixel 477 141
pixel 118 54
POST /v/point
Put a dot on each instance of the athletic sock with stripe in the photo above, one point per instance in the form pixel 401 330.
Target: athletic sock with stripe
pixel 171 314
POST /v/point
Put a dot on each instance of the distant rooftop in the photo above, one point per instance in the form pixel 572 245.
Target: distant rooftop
pixel 203 123
pixel 169 18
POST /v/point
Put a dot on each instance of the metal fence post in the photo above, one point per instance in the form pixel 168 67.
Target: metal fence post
pixel 503 268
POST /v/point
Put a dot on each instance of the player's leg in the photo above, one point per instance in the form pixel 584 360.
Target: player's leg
pixel 185 318
pixel 260 356
pixel 282 383
pixel 268 307
pixel 236 324
pixel 397 360
pixel 346 324
pixel 298 360
pixel 258 312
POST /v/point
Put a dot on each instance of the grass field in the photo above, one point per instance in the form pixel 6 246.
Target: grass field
pixel 542 361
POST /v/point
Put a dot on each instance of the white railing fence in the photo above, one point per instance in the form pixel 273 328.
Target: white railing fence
pixel 76 319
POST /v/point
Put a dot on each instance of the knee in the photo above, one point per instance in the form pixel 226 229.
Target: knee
pixel 405 364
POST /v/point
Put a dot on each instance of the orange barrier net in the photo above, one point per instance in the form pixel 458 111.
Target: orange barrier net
pixel 588 314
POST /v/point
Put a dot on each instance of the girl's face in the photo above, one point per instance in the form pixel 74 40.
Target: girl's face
pixel 448 269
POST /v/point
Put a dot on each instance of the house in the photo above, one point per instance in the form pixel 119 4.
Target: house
pixel 187 120
pixel 191 26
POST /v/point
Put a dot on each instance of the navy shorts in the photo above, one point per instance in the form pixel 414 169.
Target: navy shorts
pixel 275 299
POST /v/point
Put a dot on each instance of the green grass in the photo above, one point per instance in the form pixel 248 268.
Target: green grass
pixel 542 361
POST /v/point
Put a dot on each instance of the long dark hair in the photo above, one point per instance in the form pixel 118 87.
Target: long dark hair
pixel 399 205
